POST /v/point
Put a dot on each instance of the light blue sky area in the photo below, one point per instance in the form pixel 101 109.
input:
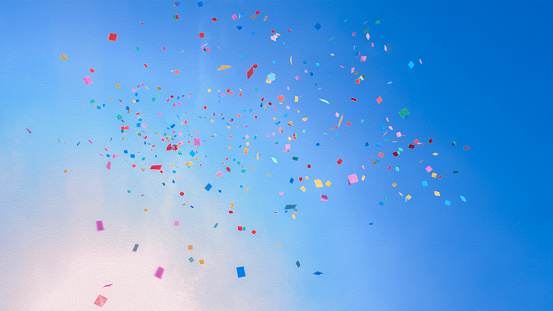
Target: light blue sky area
pixel 481 78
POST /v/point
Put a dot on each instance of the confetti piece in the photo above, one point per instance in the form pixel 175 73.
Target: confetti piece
pixel 241 272
pixel 28 130
pixel 99 225
pixel 112 37
pixel 87 80
pixel 223 67
pixel 100 301
pixel 159 272
pixel 63 56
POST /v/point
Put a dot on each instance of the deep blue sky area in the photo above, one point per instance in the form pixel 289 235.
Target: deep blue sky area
pixel 482 78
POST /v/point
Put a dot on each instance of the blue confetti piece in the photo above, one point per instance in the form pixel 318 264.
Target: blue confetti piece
pixel 366 144
pixel 463 198
pixel 318 273
pixel 216 225
pixel 241 272
pixel 411 64
pixel 424 183
pixel 317 26
pixel 200 4
pixel 208 187
pixel 447 203
pixel 239 28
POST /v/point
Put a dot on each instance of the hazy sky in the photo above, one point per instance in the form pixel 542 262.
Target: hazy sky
pixel 481 77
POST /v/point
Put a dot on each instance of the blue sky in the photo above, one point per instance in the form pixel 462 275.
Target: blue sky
pixel 481 77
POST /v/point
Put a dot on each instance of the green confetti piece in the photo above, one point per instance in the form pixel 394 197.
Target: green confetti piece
pixel 404 112
pixel 137 48
pixel 377 22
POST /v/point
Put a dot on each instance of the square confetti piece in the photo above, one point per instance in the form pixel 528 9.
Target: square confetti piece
pixel 87 80
pixel 317 26
pixel 352 179
pixel 100 301
pixel 159 272
pixel 112 37
pixel 99 225
pixel 241 272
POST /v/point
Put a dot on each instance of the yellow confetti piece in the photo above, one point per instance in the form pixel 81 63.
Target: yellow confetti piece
pixel 294 216
pixel 363 178
pixel 318 183
pixel 201 261
pixel 63 56
pixel 265 18
pixel 257 156
pixel 223 67
pixel 64 171
pixel 436 193
pixel 304 119
pixel 117 85
pixel 394 184
pixel 328 183
pixel 296 99
pixel 435 154
pixel 278 244
pixel 408 197
pixel 434 175
pixel 190 247
pixel 290 60
pixel 306 177
pixel 303 188
pixel 145 210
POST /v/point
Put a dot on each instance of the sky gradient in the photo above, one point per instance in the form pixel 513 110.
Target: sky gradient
pixel 481 78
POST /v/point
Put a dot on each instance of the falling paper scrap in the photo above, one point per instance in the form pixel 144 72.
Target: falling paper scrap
pixel 100 301
pixel 404 113
pixel 159 272
pixel 241 272
pixel 223 67
pixel 99 225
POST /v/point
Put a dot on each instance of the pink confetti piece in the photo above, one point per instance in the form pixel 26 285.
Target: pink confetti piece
pixel 108 285
pixel 159 114
pixel 87 80
pixel 197 142
pixel 90 141
pixel 352 179
pixel 398 134
pixel 28 130
pixel 324 197
pixel 363 58
pixel 99 225
pixel 428 169
pixel 100 301
pixel 368 36
pixel 352 69
pixel 234 16
pixel 281 193
pixel 176 222
pixel 466 147
pixel 159 272
pixel 109 165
